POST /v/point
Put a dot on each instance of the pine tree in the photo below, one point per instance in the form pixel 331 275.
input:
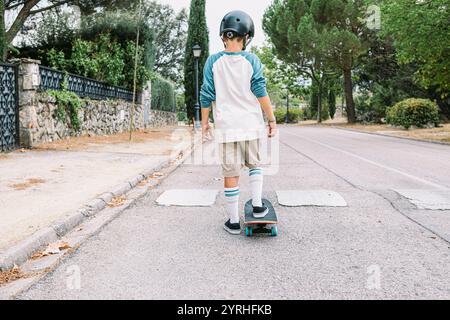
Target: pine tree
pixel 321 38
pixel 197 35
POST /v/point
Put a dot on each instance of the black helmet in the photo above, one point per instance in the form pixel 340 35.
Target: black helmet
pixel 239 23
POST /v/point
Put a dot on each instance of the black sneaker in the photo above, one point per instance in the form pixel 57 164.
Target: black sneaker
pixel 233 228
pixel 260 212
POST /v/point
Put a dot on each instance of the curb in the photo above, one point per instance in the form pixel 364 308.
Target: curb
pixel 391 136
pixel 21 252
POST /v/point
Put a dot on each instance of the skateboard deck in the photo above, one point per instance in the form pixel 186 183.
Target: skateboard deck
pixel 268 224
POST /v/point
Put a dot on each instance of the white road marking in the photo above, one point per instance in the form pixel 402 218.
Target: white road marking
pixel 320 198
pixel 188 198
pixel 410 176
pixel 427 199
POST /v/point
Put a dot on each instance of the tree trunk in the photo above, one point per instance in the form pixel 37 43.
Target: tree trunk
pixel 319 102
pixel 348 88
pixel 3 44
pixel 20 20
pixel 443 103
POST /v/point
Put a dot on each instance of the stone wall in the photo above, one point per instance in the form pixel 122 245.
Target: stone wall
pixel 38 121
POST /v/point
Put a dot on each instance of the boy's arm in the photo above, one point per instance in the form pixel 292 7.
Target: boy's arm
pixel 207 95
pixel 205 118
pixel 258 86
pixel 206 128
pixel 266 105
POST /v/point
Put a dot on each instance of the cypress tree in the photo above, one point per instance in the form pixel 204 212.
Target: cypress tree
pixel 332 103
pixel 197 35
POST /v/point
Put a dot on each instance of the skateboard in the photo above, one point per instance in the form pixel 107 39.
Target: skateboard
pixel 266 225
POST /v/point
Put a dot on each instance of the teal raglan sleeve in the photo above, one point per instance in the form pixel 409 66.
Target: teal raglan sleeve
pixel 258 84
pixel 208 90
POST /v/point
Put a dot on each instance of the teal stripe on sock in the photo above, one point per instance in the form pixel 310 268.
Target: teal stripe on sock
pixel 234 190
pixel 255 174
pixel 232 194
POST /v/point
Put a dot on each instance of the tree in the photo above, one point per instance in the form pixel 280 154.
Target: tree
pixel 314 98
pixel 332 103
pixel 102 48
pixel 28 8
pixel 299 40
pixel 382 81
pixel 56 28
pixel 197 35
pixel 25 9
pixel 421 31
pixel 122 26
pixel 59 28
pixel 279 75
pixel 321 35
pixel 88 7
pixel 170 39
pixel 346 22
pixel 3 43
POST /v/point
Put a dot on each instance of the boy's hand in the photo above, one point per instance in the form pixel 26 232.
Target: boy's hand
pixel 206 132
pixel 272 129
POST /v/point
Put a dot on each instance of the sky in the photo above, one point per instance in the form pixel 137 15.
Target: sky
pixel 216 10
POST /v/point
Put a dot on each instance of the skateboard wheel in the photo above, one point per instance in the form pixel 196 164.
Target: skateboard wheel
pixel 274 231
pixel 248 231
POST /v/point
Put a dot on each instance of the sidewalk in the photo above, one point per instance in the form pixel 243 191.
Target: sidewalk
pixel 40 186
pixel 440 135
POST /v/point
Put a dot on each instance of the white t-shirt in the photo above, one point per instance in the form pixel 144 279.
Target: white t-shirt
pixel 232 82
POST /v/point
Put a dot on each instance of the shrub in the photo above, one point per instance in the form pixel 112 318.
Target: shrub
pixel 163 95
pixel 103 60
pixel 413 112
pixel 311 112
pixel 369 110
pixel 295 114
pixel 68 104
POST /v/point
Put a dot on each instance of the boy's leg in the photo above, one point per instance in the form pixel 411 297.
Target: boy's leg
pixel 231 166
pixel 256 185
pixel 252 161
pixel 232 198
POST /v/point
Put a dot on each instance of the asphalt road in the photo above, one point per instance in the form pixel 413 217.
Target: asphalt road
pixel 379 246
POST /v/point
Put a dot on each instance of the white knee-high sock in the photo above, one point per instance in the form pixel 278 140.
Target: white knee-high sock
pixel 232 200
pixel 256 185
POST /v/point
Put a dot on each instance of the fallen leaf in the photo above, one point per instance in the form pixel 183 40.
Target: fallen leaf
pixel 53 248
pixel 64 245
pixel 117 202
pixel 11 275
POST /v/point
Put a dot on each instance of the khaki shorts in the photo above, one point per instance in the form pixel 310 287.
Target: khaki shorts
pixel 236 155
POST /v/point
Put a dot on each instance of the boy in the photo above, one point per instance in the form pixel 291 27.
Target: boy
pixel 235 86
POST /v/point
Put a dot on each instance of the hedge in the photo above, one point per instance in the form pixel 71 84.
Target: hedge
pixel 295 114
pixel 163 94
pixel 413 112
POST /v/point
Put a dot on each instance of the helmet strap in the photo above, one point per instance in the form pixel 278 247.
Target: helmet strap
pixel 247 41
